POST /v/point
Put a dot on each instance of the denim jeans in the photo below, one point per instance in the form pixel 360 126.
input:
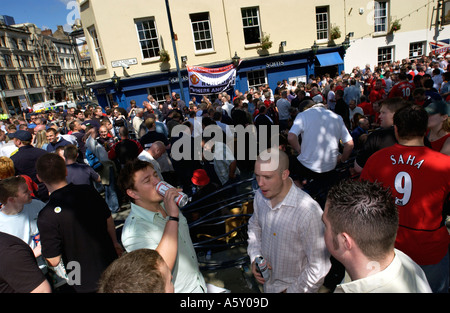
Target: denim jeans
pixel 110 192
pixel 438 275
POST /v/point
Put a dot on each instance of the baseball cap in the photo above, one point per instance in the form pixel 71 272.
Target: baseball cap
pixel 22 135
pixel 436 107
pixel 200 177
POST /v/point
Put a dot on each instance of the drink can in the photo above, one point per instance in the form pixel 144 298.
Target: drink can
pixel 182 198
pixel 263 268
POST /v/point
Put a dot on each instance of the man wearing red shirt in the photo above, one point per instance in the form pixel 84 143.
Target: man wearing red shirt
pixel 418 179
pixel 402 89
pixel 377 94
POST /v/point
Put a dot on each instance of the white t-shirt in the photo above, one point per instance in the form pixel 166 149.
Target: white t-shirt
pixel 24 224
pixel 403 275
pixel 321 130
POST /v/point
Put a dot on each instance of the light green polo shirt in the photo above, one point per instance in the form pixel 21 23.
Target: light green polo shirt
pixel 143 229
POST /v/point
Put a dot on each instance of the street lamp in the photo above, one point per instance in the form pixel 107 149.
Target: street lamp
pixel 115 80
pixel 346 43
pixel 236 59
pixel 314 48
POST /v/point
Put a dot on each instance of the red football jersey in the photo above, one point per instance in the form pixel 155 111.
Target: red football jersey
pixel 402 89
pixel 419 180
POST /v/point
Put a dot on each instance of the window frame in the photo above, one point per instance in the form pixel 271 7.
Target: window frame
pixel 422 49
pixel 8 61
pixel 208 20
pixel 327 13
pixel 392 52
pixel 159 48
pixel 385 17
pixel 15 81
pixel 258 18
pixel 445 7
pixel 159 97
pixel 97 48
pixel 257 85
pixel 4 85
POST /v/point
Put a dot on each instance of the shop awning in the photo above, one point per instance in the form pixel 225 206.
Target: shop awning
pixel 328 59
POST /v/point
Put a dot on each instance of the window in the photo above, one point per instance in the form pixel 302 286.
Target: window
pixel 4 83
pixel 385 55
pixel 416 50
pixel 15 81
pixel 446 13
pixel 24 81
pixel 26 61
pixel 148 38
pixel 381 17
pixel 98 50
pixel 14 44
pixel 250 21
pixel 31 80
pixel 23 44
pixel 159 92
pixel 201 30
pixel 8 61
pixel 322 23
pixel 256 78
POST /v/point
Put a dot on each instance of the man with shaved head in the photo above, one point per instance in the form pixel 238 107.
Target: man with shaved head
pixel 151 154
pixel 286 229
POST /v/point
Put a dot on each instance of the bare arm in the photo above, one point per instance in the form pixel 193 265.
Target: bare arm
pixel 446 147
pixel 168 246
pixel 112 233
pixel 44 287
pixel 293 141
pixel 348 148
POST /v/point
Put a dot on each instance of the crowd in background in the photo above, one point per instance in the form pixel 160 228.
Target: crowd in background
pixel 96 143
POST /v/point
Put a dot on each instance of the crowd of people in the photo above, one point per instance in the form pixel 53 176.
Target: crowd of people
pixel 64 174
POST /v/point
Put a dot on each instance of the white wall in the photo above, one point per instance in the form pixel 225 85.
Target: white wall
pixel 365 50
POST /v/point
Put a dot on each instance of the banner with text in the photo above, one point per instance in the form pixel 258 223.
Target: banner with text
pixel 206 81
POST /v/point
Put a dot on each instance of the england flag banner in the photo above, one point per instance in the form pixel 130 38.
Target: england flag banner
pixel 206 81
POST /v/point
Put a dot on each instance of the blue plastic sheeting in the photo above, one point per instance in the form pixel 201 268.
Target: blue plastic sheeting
pixel 329 59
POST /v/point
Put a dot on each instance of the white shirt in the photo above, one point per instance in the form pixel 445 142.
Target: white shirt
pixel 227 107
pixel 403 275
pixel 137 121
pixel 8 148
pixel 354 111
pixel 290 236
pixel 331 101
pixel 145 156
pixel 321 131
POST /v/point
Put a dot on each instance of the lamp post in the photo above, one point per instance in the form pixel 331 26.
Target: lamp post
pixel 236 59
pixel 314 48
pixel 346 43
pixel 116 81
pixel 172 34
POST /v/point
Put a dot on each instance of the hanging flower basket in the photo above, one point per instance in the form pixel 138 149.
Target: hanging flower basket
pixel 164 56
pixel 395 26
pixel 335 33
pixel 266 44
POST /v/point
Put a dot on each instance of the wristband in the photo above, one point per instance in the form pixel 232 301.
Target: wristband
pixel 173 218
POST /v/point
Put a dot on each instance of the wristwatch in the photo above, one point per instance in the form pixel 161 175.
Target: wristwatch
pixel 173 218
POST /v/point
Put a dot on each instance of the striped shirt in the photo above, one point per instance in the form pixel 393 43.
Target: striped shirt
pixel 290 236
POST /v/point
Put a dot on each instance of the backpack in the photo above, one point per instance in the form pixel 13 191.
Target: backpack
pixel 93 161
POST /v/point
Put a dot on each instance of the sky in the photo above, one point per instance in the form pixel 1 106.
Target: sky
pixel 46 14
